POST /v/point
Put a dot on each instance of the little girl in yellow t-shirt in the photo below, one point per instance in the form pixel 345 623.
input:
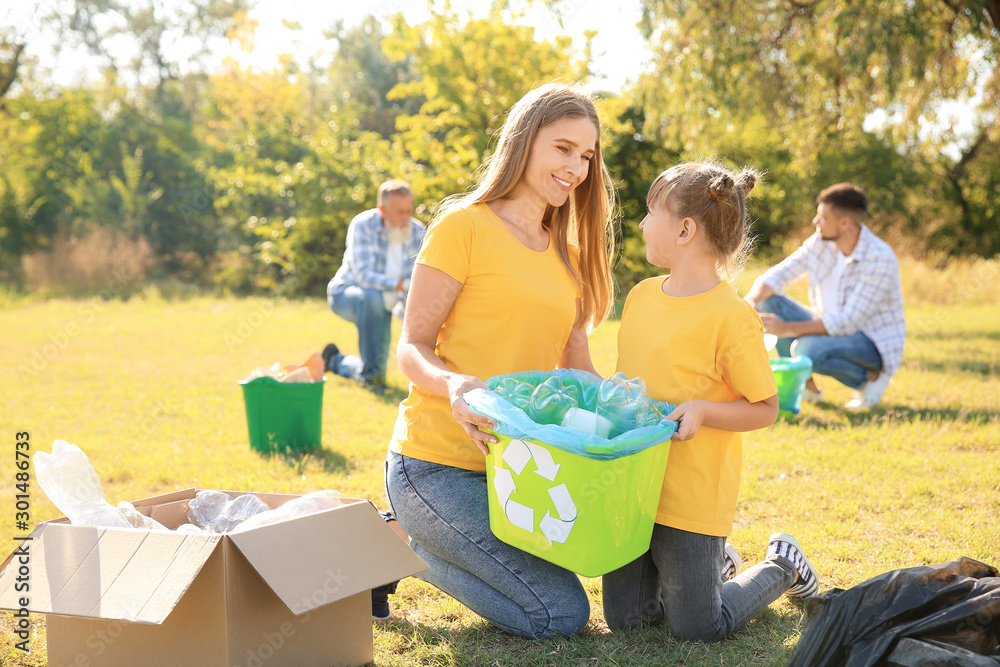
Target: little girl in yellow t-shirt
pixel 700 346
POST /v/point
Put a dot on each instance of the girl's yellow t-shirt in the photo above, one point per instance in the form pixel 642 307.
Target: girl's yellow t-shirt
pixel 704 347
pixel 515 313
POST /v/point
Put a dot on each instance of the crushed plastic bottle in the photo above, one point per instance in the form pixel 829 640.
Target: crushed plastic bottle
pixel 190 529
pixel 73 486
pixel 219 512
pixel 316 501
pixel 137 519
pixel 623 402
pixel 654 416
pixel 274 371
pixel 551 400
pixel 515 392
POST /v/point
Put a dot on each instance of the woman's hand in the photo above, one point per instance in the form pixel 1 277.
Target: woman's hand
pixel 469 419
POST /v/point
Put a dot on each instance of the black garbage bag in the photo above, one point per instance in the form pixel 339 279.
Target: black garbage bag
pixel 954 604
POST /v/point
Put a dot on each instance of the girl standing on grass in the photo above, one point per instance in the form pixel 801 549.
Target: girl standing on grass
pixel 509 278
pixel 700 346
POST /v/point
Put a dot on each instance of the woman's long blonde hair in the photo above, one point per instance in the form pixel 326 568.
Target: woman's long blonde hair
pixel 586 218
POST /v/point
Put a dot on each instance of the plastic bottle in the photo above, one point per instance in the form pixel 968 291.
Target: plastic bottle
pixel 587 421
pixel 515 392
pixel 316 501
pixel 551 400
pixel 623 402
pixel 190 529
pixel 72 485
pixel 219 512
pixel 137 519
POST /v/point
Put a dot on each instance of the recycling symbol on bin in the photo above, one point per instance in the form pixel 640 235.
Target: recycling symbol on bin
pixel 516 455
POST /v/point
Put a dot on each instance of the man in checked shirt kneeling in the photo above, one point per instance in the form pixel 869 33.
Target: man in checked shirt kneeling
pixel 855 329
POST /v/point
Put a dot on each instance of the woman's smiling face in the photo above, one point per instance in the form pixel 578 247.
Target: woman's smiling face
pixel 560 159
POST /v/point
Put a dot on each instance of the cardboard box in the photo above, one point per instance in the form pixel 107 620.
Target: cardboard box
pixel 290 593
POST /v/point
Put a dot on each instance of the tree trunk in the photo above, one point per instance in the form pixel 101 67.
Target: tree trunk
pixel 8 72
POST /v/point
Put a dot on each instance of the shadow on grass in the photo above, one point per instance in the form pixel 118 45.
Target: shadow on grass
pixel 831 417
pixel 329 460
pixel 950 335
pixel 393 395
pixel 762 643
pixel 986 369
pixel 899 413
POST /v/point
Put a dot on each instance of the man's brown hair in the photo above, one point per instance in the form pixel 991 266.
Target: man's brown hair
pixel 845 196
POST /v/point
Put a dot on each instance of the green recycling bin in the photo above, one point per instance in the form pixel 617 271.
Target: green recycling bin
pixel 791 374
pixel 283 417
pixel 570 496
pixel 588 515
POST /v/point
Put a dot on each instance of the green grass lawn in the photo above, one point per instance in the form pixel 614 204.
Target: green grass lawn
pixel 148 388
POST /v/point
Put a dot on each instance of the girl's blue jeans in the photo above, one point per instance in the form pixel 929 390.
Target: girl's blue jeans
pixel 846 359
pixel 680 580
pixel 446 513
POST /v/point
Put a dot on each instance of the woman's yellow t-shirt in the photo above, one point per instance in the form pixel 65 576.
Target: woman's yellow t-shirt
pixel 704 347
pixel 515 313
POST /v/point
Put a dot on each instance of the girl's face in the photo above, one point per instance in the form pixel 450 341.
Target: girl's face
pixel 559 159
pixel 661 229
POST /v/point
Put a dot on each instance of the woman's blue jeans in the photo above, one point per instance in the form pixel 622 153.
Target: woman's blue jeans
pixel 844 358
pixel 366 308
pixel 680 580
pixel 446 513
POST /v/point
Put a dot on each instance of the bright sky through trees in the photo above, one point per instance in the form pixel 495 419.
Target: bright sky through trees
pixel 297 27
pixel 618 47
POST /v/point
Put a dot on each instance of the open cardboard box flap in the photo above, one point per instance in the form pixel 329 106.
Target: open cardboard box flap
pixel 350 549
pixel 125 575
pixel 140 576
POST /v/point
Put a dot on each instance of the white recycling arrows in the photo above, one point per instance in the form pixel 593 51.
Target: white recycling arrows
pixel 518 514
pixel 516 455
pixel 557 530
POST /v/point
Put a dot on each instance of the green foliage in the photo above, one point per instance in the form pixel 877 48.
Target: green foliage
pixel 806 78
pixel 439 148
pixel 247 179
pixel 292 163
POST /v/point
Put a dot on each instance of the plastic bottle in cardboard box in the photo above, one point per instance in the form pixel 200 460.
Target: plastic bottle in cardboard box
pixel 72 485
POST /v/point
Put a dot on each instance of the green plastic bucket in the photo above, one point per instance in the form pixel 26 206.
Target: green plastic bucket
pixel 588 515
pixel 790 374
pixel 283 417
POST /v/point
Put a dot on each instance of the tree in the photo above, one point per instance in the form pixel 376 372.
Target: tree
pixel 361 76
pixel 811 74
pixel 150 28
pixel 467 76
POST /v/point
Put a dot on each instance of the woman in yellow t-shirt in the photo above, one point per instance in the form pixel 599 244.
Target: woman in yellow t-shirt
pixel 700 346
pixel 510 277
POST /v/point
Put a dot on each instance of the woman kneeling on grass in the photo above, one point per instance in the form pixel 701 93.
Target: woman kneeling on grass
pixel 508 279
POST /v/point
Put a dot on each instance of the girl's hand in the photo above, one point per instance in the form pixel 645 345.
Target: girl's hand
pixel 467 418
pixel 689 416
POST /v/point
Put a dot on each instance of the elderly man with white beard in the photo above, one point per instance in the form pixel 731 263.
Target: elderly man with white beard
pixel 372 282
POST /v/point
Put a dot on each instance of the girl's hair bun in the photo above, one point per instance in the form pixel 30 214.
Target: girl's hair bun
pixel 720 188
pixel 745 181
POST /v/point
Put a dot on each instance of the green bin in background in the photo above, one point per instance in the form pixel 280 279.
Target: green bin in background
pixel 791 374
pixel 283 417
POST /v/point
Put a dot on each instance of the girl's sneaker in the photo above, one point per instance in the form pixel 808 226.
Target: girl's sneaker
pixel 785 547
pixel 380 601
pixel 380 595
pixel 731 564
